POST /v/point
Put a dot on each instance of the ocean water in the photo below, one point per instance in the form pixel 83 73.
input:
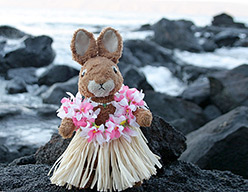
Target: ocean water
pixel 60 25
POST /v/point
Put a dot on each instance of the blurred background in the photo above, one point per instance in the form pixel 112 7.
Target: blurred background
pixel 189 57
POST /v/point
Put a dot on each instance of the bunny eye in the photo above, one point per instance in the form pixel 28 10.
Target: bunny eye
pixel 83 73
pixel 114 68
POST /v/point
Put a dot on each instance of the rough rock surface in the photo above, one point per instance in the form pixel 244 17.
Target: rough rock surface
pixel 178 176
pixel 185 116
pixel 221 144
pixel 228 89
pixel 51 151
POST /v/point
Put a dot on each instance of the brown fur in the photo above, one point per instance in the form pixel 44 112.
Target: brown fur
pixel 66 128
pixel 143 117
pixel 92 49
pixel 102 51
pixel 104 113
pixel 100 70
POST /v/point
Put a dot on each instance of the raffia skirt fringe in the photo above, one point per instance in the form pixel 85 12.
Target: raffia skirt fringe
pixel 115 165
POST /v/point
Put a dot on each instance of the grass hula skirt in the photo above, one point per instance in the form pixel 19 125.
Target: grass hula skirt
pixel 111 156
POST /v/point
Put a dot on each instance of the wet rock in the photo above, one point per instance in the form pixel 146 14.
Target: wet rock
pixel 37 53
pixel 135 78
pixel 228 89
pixel 221 144
pixel 209 45
pixel 58 90
pixel 128 58
pixel 176 34
pixel 11 32
pixel 190 73
pixel 8 156
pixel 27 74
pixel 48 111
pixel 2 44
pixel 145 27
pixel 226 38
pixel 225 20
pixel 16 85
pixel 241 43
pixel 211 112
pixel 147 53
pixel 41 89
pixel 178 176
pixel 57 73
pixel 198 92
pixel 176 111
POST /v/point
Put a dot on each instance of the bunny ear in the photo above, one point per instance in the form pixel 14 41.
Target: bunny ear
pixel 83 46
pixel 110 44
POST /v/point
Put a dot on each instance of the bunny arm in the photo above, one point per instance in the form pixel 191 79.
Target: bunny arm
pixel 66 128
pixel 143 117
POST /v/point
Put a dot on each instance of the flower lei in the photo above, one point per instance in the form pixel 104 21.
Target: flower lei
pixel 126 101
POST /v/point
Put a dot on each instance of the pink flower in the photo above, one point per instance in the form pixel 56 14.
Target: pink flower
pixel 85 106
pixel 114 127
pixel 123 108
pixel 64 100
pixel 95 134
pixel 80 123
pixel 128 133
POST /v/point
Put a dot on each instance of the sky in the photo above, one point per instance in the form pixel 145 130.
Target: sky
pixel 189 7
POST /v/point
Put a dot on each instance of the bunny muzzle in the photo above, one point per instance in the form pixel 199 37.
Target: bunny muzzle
pixel 101 89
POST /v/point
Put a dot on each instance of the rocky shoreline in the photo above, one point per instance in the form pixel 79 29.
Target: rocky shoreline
pixel 211 112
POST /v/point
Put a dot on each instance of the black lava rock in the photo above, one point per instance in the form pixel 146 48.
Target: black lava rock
pixel 57 73
pixel 221 144
pixel 178 176
pixel 135 78
pixel 185 116
pixel 37 53
pixel 58 90
pixel 225 20
pixel 11 32
pixel 226 38
pixel 176 34
pixel 228 89
pixel 27 74
pixel 16 85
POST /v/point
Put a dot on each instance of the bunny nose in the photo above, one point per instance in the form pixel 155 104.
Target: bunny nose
pixel 101 82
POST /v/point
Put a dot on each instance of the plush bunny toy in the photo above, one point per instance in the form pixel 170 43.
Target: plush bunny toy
pixel 108 149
